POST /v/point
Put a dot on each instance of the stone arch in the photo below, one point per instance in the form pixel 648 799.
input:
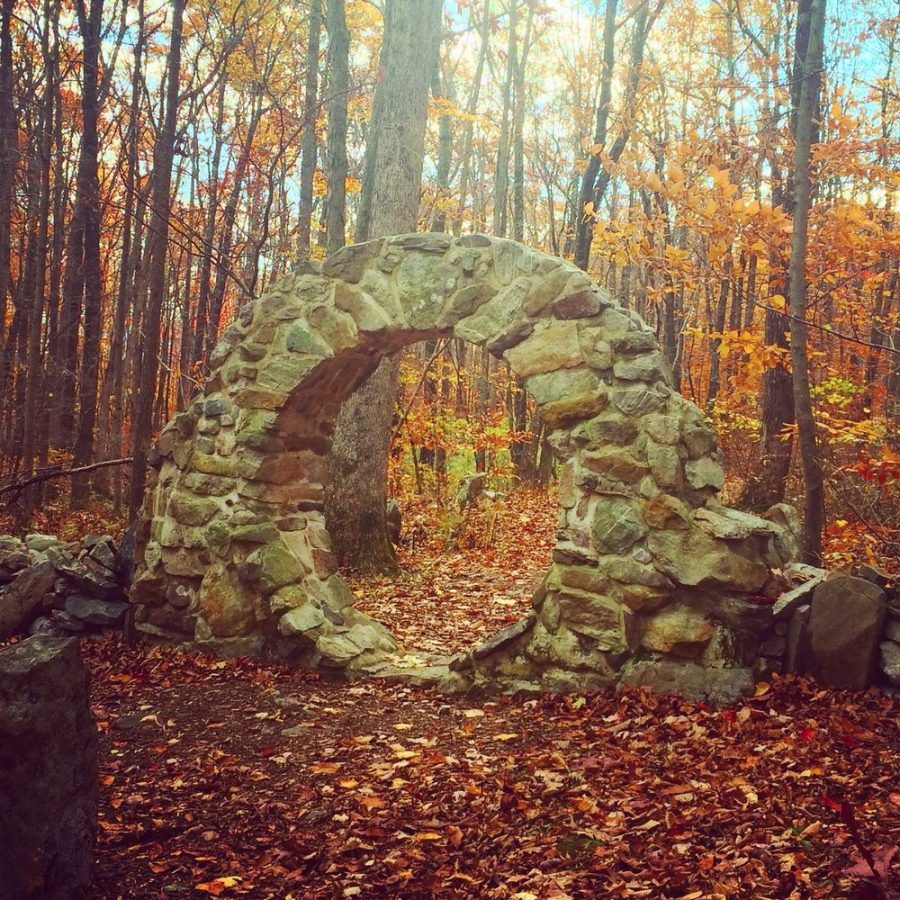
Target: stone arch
pixel 650 573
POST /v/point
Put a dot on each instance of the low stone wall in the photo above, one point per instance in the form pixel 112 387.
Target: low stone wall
pixel 49 586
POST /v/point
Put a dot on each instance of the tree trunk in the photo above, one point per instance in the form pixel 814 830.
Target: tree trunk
pixel 91 24
pixel 8 154
pixel 805 135
pixel 34 372
pixel 223 256
pixel 157 241
pixel 356 498
pixel 595 181
pixel 209 227
pixel 471 107
pixel 519 133
pixel 584 212
pixel 501 169
pixel 308 141
pixel 336 148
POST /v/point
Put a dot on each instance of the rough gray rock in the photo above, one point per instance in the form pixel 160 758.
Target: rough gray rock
pixel 20 603
pixel 846 623
pixel 471 487
pixel 693 682
pixel 91 611
pixel 791 600
pixel 48 771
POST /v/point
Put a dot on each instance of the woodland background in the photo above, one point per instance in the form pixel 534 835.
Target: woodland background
pixel 163 161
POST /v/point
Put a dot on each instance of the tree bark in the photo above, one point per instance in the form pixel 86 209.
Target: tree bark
pixel 8 139
pixel 163 157
pixel 91 24
pixel 356 498
pixel 584 212
pixel 209 226
pixel 34 372
pixel 807 109
pixel 471 107
pixel 595 181
pixel 501 168
pixel 308 141
pixel 336 147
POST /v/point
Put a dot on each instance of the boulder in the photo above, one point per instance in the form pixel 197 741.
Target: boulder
pixel 785 606
pixel 505 638
pixel 91 611
pixel 693 558
pixel 678 630
pixel 301 619
pixel 48 771
pixel 887 582
pixel 846 623
pixel 225 603
pixel 40 543
pixel 104 553
pixel 798 653
pixel 719 686
pixel 13 560
pixel 20 603
pixel 87 575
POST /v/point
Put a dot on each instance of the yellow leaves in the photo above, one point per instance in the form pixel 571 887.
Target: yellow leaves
pixel 400 752
pixel 508 736
pixel 719 178
pixel 326 768
pixel 675 174
pixel 778 301
pixel 653 182
pixel 219 885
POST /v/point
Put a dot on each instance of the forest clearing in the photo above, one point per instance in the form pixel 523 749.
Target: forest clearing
pixel 449 448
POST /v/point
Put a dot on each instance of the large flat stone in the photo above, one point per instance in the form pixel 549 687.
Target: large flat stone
pixel 846 624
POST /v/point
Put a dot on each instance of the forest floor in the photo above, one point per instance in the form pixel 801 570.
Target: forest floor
pixel 237 778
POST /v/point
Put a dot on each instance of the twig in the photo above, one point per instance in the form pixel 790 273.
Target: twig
pixel 16 486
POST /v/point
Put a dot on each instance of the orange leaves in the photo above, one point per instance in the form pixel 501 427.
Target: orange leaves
pixel 218 886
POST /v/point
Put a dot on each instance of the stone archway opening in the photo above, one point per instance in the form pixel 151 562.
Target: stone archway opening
pixel 472 494
pixel 652 579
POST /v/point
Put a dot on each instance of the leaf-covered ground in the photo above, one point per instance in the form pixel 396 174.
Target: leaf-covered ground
pixel 235 778
pixel 462 578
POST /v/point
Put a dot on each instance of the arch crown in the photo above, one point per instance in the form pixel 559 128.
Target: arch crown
pixel 650 575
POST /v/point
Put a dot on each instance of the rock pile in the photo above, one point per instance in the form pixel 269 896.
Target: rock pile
pixel 48 586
